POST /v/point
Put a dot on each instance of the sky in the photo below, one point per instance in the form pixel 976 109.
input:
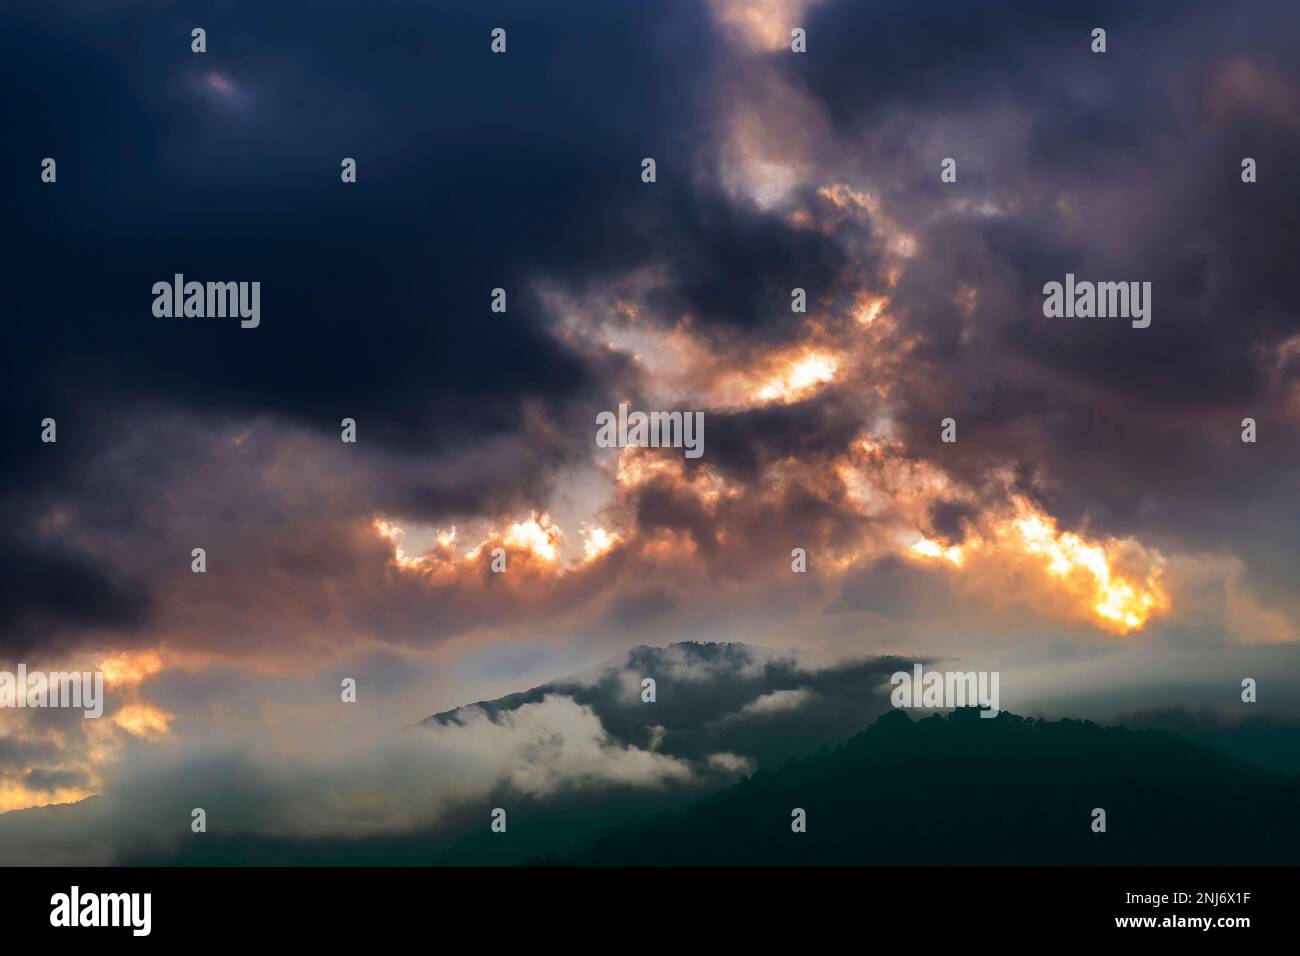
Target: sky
pixel 1098 532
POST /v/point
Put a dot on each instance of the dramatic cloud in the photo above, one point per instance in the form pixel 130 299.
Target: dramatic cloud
pixel 1096 515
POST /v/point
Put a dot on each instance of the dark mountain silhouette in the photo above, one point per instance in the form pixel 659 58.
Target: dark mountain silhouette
pixel 1269 740
pixel 964 790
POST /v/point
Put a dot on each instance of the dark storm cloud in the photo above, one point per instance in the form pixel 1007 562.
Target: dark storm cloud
pixel 873 59
pixel 948 519
pixel 1138 129
pixel 475 171
pixel 1117 166
pixel 734 265
pixel 48 594
pixel 743 443
pixel 479 171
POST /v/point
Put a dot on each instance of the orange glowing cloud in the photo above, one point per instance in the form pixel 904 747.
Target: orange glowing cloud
pixel 1115 584
pixel 536 538
pixel 596 541
pixel 17 796
pixel 679 365
pixel 761 25
pixel 779 377
pixel 83 751
pixel 1120 604
pixel 143 720
pixel 1010 549
pixel 640 466
pixel 933 549
pixel 800 377
pixel 867 308
pixel 536 534
pixel 126 668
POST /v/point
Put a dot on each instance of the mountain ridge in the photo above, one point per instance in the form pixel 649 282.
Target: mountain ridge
pixel 959 790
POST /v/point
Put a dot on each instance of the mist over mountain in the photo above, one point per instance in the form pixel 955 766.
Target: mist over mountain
pixel 720 709
pixel 566 758
pixel 708 772
pixel 725 698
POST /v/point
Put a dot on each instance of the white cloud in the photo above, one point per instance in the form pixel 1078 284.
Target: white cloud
pixel 777 702
pixel 731 763
pixel 369 785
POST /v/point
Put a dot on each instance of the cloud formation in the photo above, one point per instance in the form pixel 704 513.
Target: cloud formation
pixel 1098 496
